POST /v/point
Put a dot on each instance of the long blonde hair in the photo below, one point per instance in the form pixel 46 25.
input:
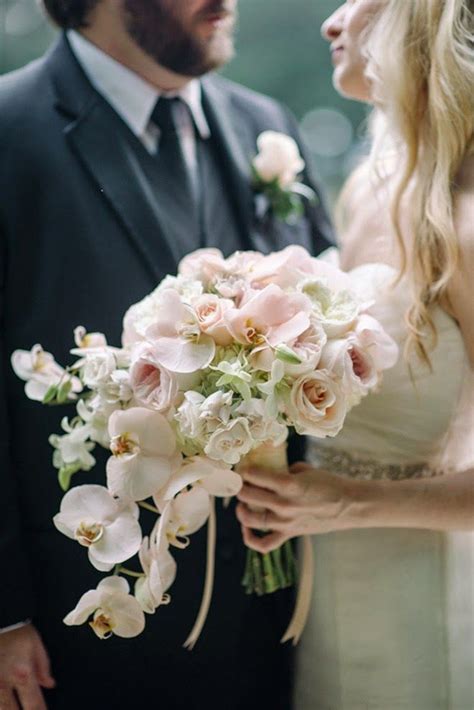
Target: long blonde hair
pixel 420 65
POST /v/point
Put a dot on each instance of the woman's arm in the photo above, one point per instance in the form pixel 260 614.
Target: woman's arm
pixel 310 501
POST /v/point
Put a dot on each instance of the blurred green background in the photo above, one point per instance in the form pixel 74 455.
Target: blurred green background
pixel 280 52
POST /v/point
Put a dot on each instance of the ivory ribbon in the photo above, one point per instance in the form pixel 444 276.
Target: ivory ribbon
pixel 209 581
pixel 303 600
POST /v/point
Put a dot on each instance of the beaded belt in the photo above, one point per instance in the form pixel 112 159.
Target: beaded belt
pixel 344 464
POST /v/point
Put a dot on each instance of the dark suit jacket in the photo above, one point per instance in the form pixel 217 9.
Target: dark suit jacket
pixel 80 240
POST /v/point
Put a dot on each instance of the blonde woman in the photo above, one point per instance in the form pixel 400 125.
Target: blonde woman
pixel 392 622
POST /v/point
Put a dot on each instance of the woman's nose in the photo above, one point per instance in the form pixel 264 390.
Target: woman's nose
pixel 332 27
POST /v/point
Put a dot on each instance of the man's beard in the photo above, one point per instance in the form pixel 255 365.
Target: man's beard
pixel 158 29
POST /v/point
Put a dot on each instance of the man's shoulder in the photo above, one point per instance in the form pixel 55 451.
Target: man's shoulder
pixel 250 101
pixel 22 91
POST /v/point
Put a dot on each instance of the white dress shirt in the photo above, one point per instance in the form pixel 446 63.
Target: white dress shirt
pixel 134 100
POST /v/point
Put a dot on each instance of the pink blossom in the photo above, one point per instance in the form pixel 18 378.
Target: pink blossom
pixel 153 385
pixel 283 268
pixel 271 316
pixel 178 343
pixel 376 341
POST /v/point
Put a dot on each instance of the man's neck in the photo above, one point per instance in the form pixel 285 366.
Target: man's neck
pixel 122 48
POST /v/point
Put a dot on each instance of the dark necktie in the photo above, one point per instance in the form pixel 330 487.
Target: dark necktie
pixel 170 157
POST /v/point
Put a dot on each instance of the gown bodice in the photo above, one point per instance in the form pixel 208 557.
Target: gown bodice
pixel 403 421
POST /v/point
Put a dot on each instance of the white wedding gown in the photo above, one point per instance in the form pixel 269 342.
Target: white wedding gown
pixel 392 620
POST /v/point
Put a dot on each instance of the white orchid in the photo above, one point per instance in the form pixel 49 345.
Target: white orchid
pixel 107 527
pixel 114 610
pixel 40 371
pixel 96 412
pixel 85 340
pixel 159 569
pixel 144 453
pixel 214 477
pixel 74 446
pixel 183 516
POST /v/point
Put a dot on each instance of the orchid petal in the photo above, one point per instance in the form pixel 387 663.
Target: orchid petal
pixel 114 585
pixel 138 477
pixel 155 436
pixel 128 617
pixel 185 356
pixel 120 541
pixel 87 604
pixel 191 510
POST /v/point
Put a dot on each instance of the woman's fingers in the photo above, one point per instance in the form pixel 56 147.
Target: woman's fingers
pixel 252 495
pixel 265 478
pixel 263 544
pixel 261 519
pixel 301 467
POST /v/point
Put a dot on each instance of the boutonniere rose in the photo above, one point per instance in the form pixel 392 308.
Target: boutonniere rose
pixel 275 169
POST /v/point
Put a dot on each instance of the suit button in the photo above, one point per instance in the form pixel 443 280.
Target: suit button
pixel 226 551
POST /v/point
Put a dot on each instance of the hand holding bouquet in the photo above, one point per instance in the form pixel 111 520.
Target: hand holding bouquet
pixel 216 364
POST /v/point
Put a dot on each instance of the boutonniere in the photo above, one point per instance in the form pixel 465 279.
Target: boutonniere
pixel 275 171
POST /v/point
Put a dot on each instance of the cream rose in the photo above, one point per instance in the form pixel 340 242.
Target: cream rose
pixel 153 386
pixel 278 158
pixel 210 311
pixel 317 405
pixel 231 442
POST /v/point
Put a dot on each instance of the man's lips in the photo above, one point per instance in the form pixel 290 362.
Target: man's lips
pixel 216 18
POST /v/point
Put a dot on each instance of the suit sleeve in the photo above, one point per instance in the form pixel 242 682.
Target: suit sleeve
pixel 317 213
pixel 16 598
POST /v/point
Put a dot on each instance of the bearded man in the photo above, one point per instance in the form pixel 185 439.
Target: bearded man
pixel 120 152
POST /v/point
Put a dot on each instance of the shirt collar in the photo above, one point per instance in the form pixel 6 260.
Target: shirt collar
pixel 130 95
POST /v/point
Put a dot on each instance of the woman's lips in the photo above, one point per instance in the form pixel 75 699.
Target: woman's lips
pixel 336 53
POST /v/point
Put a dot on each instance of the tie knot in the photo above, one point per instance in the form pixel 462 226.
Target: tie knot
pixel 163 116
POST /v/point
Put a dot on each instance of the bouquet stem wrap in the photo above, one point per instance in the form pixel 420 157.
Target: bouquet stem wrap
pixel 266 573
pixel 208 583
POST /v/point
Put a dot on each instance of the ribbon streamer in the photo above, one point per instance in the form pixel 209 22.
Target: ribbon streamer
pixel 209 581
pixel 303 600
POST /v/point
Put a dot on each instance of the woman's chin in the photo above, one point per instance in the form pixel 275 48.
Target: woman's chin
pixel 349 86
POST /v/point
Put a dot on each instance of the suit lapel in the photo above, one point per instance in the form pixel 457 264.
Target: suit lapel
pixel 110 161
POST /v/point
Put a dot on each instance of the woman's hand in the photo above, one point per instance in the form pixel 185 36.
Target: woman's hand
pixel 308 501
pixel 304 501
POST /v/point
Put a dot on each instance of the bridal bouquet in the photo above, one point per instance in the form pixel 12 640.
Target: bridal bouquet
pixel 216 364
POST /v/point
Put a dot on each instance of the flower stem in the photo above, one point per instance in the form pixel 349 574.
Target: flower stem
pixel 149 507
pixel 129 572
